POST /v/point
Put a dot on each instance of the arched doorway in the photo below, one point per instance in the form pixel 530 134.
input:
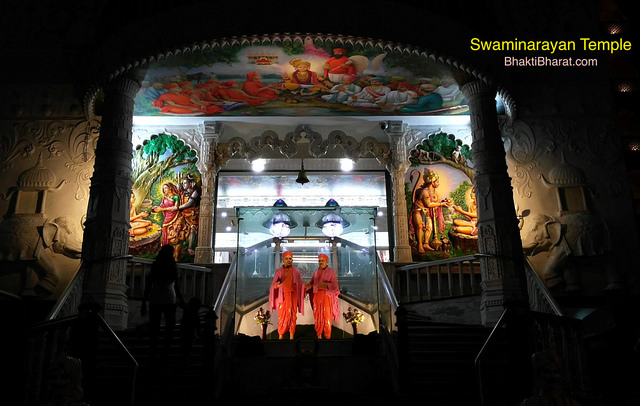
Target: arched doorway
pixel 301 96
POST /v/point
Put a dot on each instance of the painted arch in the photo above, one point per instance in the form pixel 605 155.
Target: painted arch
pixel 298 76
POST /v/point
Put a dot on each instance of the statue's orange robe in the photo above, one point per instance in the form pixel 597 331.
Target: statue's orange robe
pixel 324 300
pixel 288 298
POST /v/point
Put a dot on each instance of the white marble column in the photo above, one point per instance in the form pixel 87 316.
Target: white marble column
pixel 499 244
pixel 106 236
pixel 207 167
pixel 400 163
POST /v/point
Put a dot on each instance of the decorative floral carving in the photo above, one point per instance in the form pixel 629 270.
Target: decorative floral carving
pixel 260 146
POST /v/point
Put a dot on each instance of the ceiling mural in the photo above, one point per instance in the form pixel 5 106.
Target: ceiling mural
pixel 298 77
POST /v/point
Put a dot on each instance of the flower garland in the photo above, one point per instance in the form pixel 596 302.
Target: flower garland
pixel 353 316
pixel 262 318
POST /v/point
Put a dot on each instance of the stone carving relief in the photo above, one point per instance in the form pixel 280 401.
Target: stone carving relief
pixel 547 160
pixel 570 242
pixel 30 246
pixel 46 168
pixel 533 148
pixel 270 144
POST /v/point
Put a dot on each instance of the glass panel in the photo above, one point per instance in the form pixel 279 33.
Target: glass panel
pixel 345 234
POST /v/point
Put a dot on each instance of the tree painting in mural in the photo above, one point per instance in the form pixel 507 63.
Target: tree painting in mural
pixel 165 198
pixel 441 199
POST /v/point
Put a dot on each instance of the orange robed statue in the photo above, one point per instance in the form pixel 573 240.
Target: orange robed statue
pixel 323 293
pixel 287 295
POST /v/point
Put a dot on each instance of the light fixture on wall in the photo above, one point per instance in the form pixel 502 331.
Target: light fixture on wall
pixel 258 165
pixel 302 175
pixel 346 164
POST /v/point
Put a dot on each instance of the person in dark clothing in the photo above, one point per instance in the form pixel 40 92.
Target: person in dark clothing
pixel 163 294
pixel 189 327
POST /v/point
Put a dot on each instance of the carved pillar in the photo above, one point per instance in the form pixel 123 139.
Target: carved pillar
pixel 106 239
pixel 499 244
pixel 400 164
pixel 208 169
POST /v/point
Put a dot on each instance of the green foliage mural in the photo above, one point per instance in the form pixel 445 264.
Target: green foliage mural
pixel 165 198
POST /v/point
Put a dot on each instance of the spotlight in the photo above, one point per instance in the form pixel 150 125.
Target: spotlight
pixel 346 164
pixel 258 165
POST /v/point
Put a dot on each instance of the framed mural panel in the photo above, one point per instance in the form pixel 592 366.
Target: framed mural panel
pixel 165 201
pixel 301 76
pixel 441 199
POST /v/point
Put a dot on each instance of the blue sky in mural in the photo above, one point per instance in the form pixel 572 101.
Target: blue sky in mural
pixel 298 78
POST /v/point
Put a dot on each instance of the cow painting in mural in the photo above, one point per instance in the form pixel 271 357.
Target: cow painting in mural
pixel 314 78
pixel 441 199
pixel 165 199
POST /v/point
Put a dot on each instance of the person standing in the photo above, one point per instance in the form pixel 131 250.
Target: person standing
pixel 287 295
pixel 163 294
pixel 323 293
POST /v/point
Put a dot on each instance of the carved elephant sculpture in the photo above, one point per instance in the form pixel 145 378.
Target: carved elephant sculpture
pixel 564 239
pixel 34 244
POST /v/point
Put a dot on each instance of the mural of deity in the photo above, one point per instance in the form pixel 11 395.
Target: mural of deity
pixel 165 200
pixel 318 79
pixel 441 199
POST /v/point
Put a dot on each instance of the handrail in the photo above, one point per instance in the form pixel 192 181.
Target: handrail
pixel 538 287
pixel 75 283
pixel 224 289
pixel 225 326
pixel 440 279
pixel 498 325
pixel 180 265
pixel 10 296
pixel 385 331
pixel 388 289
pixel 65 321
pixel 114 337
pixel 453 260
pixel 568 330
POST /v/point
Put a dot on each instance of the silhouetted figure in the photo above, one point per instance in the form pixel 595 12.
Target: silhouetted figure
pixel 189 327
pixel 163 294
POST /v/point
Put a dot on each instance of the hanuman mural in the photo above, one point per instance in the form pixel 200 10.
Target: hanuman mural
pixel 441 199
pixel 165 200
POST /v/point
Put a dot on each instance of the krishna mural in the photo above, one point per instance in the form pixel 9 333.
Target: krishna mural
pixel 441 200
pixel 298 77
pixel 165 199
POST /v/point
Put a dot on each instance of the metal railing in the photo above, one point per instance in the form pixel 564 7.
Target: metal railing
pixel 538 332
pixel 540 298
pixel 440 279
pixel 387 308
pixel 72 335
pixel 194 280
